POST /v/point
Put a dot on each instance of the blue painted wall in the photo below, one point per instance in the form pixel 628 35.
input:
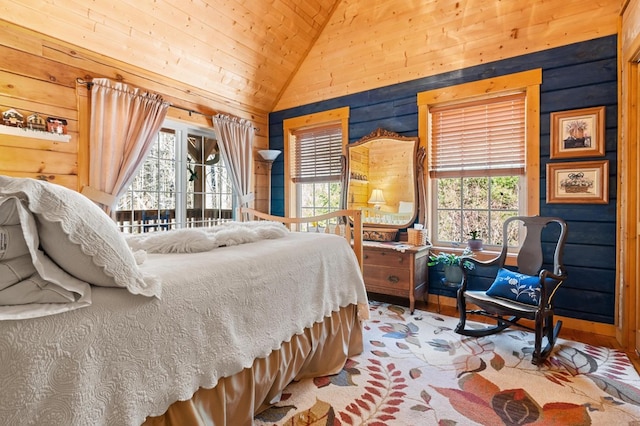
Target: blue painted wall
pixel 580 75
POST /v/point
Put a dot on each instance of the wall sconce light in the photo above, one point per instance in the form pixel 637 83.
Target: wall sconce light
pixel 377 199
pixel 269 155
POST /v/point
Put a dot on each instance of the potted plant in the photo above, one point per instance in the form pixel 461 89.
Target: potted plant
pixel 475 242
pixel 451 265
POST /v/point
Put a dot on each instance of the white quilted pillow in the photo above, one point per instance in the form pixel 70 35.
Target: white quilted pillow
pixel 80 237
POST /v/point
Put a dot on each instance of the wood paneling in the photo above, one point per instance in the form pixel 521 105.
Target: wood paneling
pixel 371 44
pixel 630 30
pixel 38 74
pixel 629 167
pixel 261 56
pixel 241 53
pixel 589 293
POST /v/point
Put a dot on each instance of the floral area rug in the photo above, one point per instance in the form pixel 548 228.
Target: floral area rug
pixel 415 370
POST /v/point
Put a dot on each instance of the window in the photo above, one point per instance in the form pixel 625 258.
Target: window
pixel 483 156
pixel 182 183
pixel 314 161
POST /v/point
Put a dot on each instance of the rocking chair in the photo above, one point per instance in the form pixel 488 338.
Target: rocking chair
pixel 523 293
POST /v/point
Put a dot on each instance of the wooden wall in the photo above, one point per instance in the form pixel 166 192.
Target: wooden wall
pixel 629 167
pixel 575 76
pixel 240 53
pixel 38 74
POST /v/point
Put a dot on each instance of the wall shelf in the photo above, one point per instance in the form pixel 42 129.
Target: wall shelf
pixel 36 134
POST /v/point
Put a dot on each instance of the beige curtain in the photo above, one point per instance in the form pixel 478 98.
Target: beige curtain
pixel 124 123
pixel 235 140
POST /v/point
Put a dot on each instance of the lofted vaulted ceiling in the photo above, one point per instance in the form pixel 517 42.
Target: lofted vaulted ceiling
pixel 257 56
pixel 244 51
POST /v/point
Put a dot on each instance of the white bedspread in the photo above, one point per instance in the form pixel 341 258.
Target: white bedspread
pixel 127 357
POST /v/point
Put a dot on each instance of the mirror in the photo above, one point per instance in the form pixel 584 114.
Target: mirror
pixel 381 179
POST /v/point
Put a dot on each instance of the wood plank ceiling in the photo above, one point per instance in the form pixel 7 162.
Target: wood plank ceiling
pixel 252 57
pixel 244 51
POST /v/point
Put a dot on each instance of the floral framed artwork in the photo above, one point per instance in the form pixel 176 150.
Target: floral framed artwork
pixel 578 133
pixel 584 182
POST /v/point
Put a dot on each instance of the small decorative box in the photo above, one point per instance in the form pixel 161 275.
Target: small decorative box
pixel 12 118
pixel 36 122
pixel 57 125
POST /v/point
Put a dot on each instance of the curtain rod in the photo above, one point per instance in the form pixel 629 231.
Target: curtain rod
pixel 89 84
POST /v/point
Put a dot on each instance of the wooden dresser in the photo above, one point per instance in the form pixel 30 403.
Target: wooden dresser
pixel 397 273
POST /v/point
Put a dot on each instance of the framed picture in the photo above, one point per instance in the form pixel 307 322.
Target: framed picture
pixel 578 133
pixel 584 182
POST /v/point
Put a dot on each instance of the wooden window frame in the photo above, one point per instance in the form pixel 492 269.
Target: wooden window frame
pixel 527 81
pixel 290 126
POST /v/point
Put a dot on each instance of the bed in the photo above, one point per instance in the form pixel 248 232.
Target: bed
pixel 122 336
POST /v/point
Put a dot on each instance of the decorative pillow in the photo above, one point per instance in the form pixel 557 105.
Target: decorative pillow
pixel 517 287
pixel 405 207
pixel 80 237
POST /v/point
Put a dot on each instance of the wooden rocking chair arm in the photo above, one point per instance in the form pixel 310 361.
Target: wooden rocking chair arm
pixel 544 274
pixel 478 262
pixel 548 289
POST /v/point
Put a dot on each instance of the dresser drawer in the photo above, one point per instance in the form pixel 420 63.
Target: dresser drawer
pixel 389 258
pixel 395 273
pixel 387 277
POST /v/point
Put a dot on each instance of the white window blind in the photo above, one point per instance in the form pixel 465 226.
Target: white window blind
pixel 317 154
pixel 479 138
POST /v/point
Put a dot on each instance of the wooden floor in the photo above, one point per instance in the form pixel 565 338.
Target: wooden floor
pixel 565 333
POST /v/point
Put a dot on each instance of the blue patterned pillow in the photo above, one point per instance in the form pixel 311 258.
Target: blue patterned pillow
pixel 514 286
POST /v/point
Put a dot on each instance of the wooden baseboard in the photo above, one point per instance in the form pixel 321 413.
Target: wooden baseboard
pixel 608 330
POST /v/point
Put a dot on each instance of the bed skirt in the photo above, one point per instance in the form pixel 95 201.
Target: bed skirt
pixel 321 350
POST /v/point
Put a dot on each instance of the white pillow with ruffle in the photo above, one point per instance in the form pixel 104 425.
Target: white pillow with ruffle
pixel 80 237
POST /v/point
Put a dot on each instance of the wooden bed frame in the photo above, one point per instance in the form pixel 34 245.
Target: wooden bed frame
pixel 293 223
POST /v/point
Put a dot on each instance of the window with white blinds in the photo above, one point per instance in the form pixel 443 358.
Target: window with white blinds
pixel 483 141
pixel 317 154
pixel 479 138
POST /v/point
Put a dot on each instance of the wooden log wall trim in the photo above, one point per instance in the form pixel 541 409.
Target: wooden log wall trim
pixel 579 75
pixel 629 167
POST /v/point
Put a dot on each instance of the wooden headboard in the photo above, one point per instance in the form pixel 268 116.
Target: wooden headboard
pixel 352 232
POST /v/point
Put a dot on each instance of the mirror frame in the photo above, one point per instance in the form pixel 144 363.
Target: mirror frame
pixel 382 134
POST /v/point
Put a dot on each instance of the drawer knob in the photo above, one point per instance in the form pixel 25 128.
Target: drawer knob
pixel 394 279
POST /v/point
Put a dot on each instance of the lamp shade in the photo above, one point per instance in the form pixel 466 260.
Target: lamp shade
pixel 269 154
pixel 376 197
